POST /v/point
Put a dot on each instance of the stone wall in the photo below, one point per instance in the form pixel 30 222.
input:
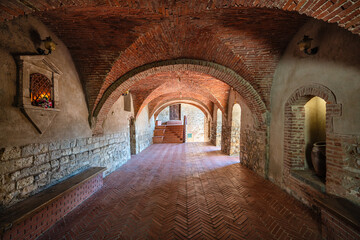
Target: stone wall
pixel 219 127
pixel 235 139
pixel 29 161
pixel 144 130
pixel 252 150
pixel 195 122
pixel 164 115
pixel 26 170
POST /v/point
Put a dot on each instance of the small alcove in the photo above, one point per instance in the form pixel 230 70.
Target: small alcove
pixel 38 96
pixel 315 136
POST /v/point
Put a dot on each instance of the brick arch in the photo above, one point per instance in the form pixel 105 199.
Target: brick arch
pixel 155 46
pixel 166 89
pixel 193 102
pixel 225 74
pixel 341 12
pixel 195 97
pixel 294 133
pixel 311 90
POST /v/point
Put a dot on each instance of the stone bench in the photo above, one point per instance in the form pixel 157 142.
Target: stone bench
pixel 30 218
pixel 340 218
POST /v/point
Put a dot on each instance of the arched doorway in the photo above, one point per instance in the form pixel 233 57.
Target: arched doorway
pixel 235 130
pixel 218 128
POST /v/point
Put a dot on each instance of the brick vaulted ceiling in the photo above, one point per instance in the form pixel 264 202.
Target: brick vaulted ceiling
pixel 106 43
pixel 109 38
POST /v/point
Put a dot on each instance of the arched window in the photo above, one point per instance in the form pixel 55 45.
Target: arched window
pixel 41 91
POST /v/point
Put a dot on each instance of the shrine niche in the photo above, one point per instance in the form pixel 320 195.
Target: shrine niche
pixel 38 96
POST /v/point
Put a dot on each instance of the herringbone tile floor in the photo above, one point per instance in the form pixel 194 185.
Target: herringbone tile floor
pixel 187 191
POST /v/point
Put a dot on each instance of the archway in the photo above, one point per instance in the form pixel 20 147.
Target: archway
pixel 218 128
pixel 217 71
pixel 309 116
pixel 235 130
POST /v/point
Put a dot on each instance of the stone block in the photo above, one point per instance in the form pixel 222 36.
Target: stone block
pixel 65 144
pixel 66 152
pixel 28 189
pixel 76 150
pixel 27 150
pixel 9 187
pixel 55 154
pixel 72 143
pixel 9 153
pixel 40 176
pixel 54 146
pixel 43 182
pixel 14 165
pixel 44 168
pixel 42 158
pixel 34 149
pixel 81 142
pixel 15 176
pixel 64 160
pixel 24 182
pixel 54 163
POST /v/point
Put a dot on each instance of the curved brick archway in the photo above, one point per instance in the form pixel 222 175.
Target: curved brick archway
pixel 154 87
pixel 215 70
pixel 345 13
pixel 195 97
pixel 194 102
pixel 294 139
pixel 294 156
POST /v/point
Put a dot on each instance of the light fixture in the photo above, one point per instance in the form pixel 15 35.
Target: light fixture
pixel 305 46
pixel 49 45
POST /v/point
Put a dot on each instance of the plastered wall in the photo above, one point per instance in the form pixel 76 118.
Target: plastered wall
pixel 31 162
pixel 337 67
pixel 16 38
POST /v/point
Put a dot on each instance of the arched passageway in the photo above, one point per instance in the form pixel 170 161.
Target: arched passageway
pixel 219 125
pixel 235 130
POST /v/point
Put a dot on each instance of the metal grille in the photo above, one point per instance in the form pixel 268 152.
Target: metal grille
pixel 40 88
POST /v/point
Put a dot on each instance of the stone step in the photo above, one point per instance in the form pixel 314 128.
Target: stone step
pixel 158 139
pixel 174 122
pixel 159 132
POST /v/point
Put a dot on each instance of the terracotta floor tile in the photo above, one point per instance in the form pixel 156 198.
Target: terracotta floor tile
pixel 186 191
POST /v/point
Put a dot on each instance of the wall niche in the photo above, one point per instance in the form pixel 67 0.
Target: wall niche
pixel 38 92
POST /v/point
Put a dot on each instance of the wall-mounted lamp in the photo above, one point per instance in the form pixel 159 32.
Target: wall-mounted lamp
pixel 125 93
pixel 305 45
pixel 49 45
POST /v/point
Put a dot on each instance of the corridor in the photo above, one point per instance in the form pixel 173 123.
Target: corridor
pixel 187 191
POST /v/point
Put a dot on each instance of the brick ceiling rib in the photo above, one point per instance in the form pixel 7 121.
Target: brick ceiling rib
pixel 190 101
pixel 226 75
pixel 109 39
pixel 149 88
pixel 343 12
pixel 106 43
pixel 172 97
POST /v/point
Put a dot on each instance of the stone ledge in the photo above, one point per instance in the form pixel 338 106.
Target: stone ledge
pixel 308 177
pixel 341 208
pixel 27 208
